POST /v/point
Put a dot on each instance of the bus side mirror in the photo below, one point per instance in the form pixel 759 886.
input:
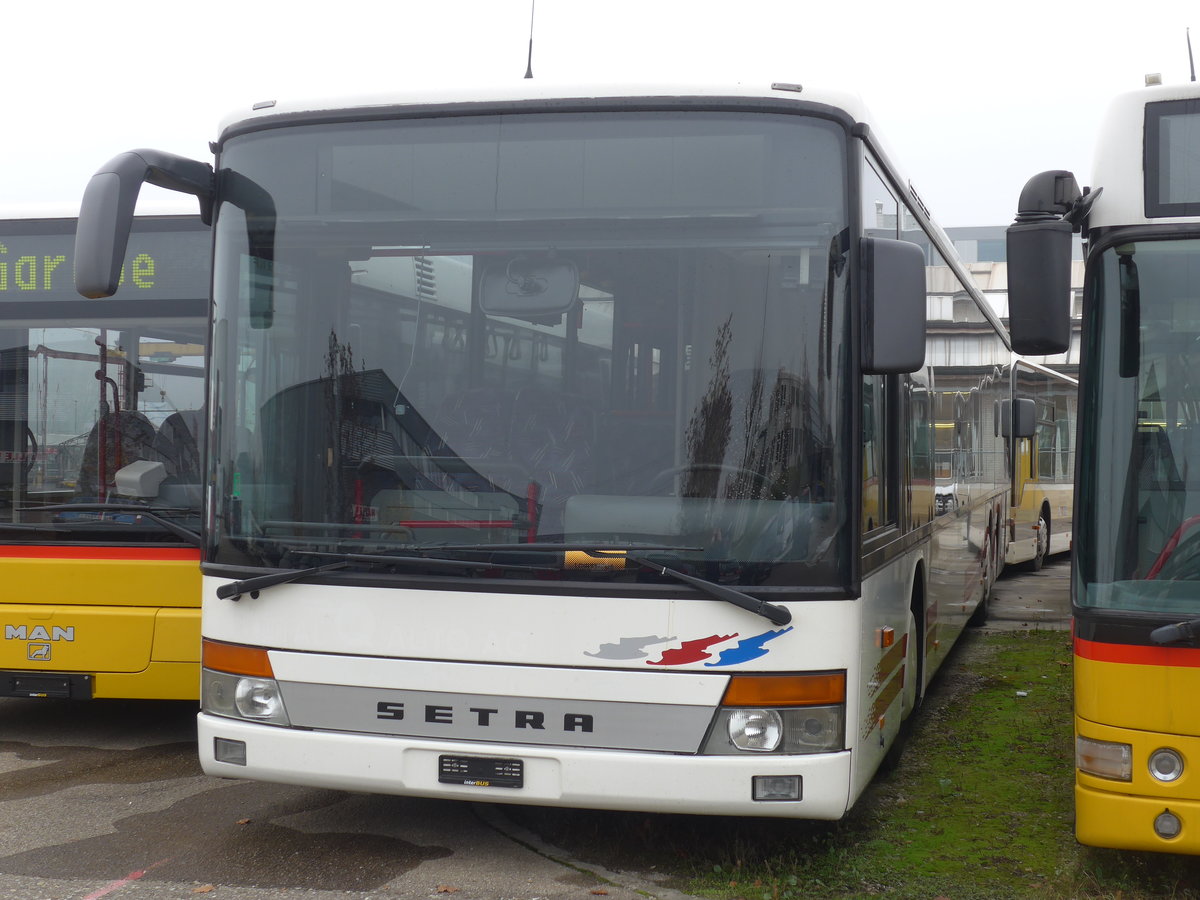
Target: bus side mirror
pixel 1039 287
pixel 106 213
pixel 1018 418
pixel 1049 211
pixel 893 304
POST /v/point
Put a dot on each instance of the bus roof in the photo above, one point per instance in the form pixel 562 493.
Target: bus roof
pixel 525 90
pixel 1119 165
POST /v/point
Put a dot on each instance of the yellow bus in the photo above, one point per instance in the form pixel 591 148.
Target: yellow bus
pixel 1136 561
pixel 1040 511
pixel 100 436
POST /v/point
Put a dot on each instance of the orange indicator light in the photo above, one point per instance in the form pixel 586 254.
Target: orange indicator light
pixel 821 689
pixel 237 660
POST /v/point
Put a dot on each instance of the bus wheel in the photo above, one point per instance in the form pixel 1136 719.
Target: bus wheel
pixel 1043 542
pixel 911 695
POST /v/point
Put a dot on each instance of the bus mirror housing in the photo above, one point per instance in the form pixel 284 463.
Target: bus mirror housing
pixel 1039 287
pixel 893 303
pixel 1018 418
pixel 1049 211
pixel 106 213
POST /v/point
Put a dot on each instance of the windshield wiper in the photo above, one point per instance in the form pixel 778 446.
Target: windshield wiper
pixel 550 547
pixel 779 615
pixel 186 535
pixel 235 589
pixel 1181 631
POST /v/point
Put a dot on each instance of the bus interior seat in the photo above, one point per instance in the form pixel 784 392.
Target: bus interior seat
pixel 129 436
pixel 472 425
pixel 637 447
pixel 177 444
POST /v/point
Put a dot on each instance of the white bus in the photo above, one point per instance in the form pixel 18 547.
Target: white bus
pixel 576 447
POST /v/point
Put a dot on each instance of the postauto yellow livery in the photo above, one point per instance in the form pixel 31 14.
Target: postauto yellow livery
pixel 1136 566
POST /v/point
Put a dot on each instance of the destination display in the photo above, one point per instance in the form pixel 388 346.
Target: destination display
pixel 167 259
pixel 1172 170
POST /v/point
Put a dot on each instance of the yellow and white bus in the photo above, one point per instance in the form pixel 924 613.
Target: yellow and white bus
pixel 100 436
pixel 1136 561
pixel 1043 495
pixel 576 446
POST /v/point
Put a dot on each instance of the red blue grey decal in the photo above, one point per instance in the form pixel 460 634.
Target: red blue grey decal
pixel 692 650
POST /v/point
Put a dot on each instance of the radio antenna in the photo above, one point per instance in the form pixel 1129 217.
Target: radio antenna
pixel 529 61
pixel 1191 61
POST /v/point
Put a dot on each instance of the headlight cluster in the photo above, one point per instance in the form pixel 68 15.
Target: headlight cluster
pixel 242 697
pixel 809 729
pixel 1109 759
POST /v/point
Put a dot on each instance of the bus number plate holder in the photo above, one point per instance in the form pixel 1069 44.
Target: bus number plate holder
pixel 481 771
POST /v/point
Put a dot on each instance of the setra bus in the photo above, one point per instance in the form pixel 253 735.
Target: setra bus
pixel 1136 565
pixel 99 464
pixel 576 447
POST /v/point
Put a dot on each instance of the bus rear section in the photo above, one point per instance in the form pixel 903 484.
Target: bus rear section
pixel 101 429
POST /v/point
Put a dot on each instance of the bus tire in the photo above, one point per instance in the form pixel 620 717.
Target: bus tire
pixel 1043 541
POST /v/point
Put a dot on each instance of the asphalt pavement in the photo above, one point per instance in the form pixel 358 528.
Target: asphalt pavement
pixel 1025 600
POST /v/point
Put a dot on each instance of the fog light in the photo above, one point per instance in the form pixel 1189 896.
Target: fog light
pixel 776 787
pixel 1166 764
pixel 227 751
pixel 1104 759
pixel 1167 825
pixel 755 729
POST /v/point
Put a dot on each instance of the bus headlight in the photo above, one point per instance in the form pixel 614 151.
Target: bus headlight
pixel 1166 764
pixel 1104 759
pixel 810 729
pixel 242 697
pixel 757 730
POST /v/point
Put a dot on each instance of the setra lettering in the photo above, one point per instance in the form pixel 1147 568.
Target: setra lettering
pixel 485 717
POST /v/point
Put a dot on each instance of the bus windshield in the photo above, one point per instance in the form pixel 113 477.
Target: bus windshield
pixel 1141 451
pixel 101 420
pixel 623 329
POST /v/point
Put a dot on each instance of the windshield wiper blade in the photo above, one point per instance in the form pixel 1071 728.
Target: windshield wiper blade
pixel 235 589
pixel 779 615
pixel 550 547
pixel 1180 631
pixel 187 535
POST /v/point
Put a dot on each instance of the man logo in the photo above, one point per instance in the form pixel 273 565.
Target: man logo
pixel 39 651
pixel 39 633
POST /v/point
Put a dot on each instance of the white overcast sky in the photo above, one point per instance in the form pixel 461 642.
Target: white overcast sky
pixel 972 98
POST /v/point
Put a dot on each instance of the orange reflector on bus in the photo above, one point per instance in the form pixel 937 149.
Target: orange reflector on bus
pixel 236 659
pixel 786 690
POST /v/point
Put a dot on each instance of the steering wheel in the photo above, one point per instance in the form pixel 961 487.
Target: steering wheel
pixel 658 481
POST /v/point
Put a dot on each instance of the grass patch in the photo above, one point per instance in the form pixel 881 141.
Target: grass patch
pixel 980 805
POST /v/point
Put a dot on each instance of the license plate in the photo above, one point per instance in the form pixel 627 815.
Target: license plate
pixel 481 771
